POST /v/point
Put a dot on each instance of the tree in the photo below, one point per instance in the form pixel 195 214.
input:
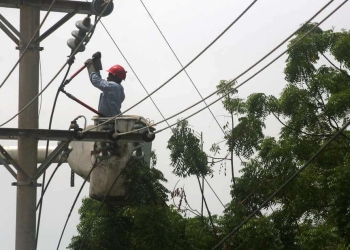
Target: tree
pixel 146 223
pixel 313 211
pixel 186 155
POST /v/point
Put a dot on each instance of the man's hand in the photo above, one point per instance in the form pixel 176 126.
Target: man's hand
pixel 88 62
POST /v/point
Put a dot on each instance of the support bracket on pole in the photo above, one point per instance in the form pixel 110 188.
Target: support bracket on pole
pixel 29 184
pixel 10 26
pixel 56 26
pixel 9 34
pixel 7 166
pixel 61 147
pixel 12 161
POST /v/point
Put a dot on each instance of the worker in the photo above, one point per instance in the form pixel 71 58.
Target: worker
pixel 112 94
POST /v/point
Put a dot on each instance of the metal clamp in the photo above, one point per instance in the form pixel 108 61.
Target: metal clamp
pixel 28 184
pixel 30 48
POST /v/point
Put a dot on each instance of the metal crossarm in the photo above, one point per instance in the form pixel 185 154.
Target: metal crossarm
pixel 7 166
pixel 64 135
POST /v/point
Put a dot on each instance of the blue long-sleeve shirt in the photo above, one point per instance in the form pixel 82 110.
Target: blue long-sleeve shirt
pixel 111 97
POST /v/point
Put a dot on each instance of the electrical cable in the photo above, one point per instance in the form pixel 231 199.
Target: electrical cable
pixel 214 192
pixel 48 183
pixel 230 82
pixel 243 73
pixel 268 63
pixel 25 107
pixel 258 72
pixel 64 65
pixel 46 155
pixel 283 185
pixel 29 43
pixel 145 87
pixel 177 58
pixel 139 79
pixel 76 199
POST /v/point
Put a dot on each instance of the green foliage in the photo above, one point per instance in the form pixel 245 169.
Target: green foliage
pixel 142 184
pixel 108 231
pixel 340 48
pixel 232 104
pixel 311 212
pixel 146 223
pixel 187 156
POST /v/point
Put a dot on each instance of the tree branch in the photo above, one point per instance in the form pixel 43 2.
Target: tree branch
pixel 331 63
pixel 206 205
pixel 299 131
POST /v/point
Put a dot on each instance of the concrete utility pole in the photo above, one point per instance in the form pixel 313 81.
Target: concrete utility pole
pixel 27 147
pixel 27 173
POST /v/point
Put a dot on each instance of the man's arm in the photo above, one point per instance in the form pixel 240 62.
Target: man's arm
pixel 102 84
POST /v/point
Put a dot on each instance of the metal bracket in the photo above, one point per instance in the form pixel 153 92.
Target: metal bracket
pixel 31 47
pixel 7 166
pixel 62 135
pixel 56 26
pixel 21 184
pixel 12 161
pixel 61 147
pixel 43 5
pixel 9 34
pixel 7 31
pixel 72 179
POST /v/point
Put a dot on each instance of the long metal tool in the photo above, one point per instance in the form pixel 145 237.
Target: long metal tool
pixel 82 103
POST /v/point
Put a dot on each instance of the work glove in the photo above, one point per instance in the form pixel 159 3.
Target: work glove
pixel 90 66
pixel 96 58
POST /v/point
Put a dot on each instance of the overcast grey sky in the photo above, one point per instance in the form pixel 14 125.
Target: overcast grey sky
pixel 189 26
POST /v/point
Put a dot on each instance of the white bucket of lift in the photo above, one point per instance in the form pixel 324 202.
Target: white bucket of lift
pixel 109 166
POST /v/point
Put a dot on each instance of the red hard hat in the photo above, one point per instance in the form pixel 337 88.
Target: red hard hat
pixel 117 70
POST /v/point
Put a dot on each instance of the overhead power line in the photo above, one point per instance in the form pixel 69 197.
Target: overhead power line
pixel 230 82
pixel 243 73
pixel 177 58
pixel 283 185
pixel 214 192
pixel 29 43
pixel 148 92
